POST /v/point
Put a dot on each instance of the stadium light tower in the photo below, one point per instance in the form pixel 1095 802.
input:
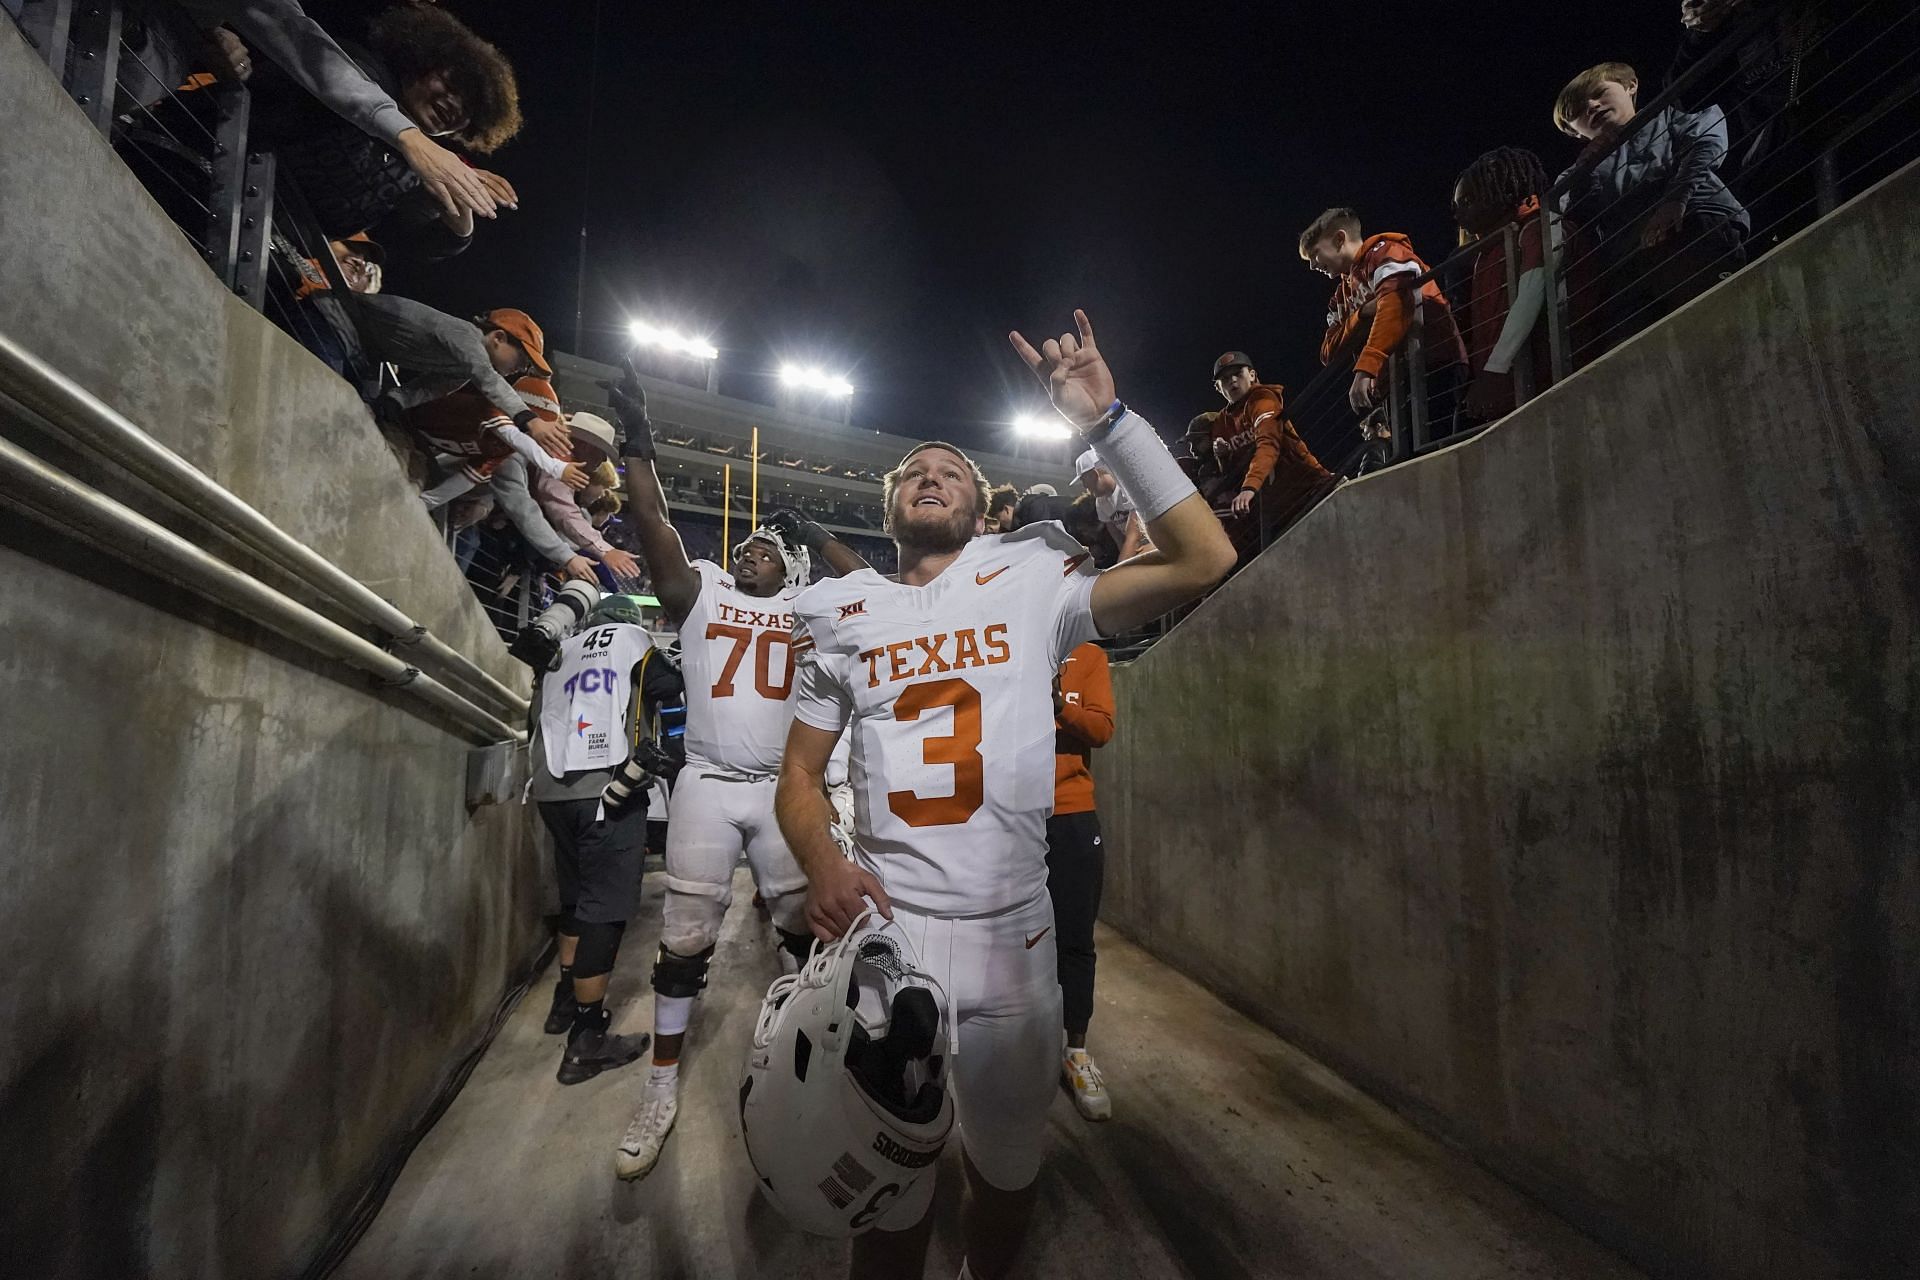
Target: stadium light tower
pixel 1041 426
pixel 673 342
pixel 830 385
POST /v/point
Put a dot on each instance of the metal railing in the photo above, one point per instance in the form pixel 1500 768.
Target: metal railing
pixel 1850 116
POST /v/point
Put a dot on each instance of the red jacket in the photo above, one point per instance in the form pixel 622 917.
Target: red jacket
pixel 1378 278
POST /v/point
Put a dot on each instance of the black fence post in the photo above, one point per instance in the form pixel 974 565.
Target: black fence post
pixel 1551 243
pixel 1397 423
pixel 255 230
pixel 1416 349
pixel 46 23
pixel 93 59
pixel 1523 363
pixel 227 188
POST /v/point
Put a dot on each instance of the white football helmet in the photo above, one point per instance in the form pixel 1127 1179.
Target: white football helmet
pixel 844 1105
pixel 799 564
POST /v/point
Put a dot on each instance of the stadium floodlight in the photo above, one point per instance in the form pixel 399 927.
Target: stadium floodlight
pixel 794 375
pixel 1042 426
pixel 671 340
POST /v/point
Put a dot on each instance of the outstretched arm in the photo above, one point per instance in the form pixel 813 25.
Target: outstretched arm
pixel 675 581
pixel 1192 551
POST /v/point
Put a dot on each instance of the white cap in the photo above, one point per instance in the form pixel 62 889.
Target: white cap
pixel 1042 491
pixel 1089 461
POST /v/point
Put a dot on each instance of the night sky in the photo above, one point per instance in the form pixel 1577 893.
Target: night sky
pixel 885 190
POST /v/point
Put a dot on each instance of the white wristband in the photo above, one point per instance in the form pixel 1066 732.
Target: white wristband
pixel 1139 460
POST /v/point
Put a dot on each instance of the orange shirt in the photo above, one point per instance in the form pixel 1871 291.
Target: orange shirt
pixel 1378 277
pixel 1251 438
pixel 1084 723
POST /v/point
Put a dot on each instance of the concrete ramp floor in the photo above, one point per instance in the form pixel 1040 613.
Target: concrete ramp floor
pixel 1230 1154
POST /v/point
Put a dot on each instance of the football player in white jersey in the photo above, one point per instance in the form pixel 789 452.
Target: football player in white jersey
pixel 736 655
pixel 942 677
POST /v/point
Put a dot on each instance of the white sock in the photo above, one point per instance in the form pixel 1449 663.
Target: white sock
pixel 665 1077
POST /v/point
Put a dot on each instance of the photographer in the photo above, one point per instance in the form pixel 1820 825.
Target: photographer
pixel 595 759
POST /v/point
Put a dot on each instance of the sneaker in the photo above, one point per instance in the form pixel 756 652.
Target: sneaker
pixel 560 1013
pixel 590 1052
pixel 640 1147
pixel 1089 1086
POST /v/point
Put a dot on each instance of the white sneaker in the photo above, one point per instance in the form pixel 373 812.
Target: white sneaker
pixel 640 1147
pixel 1089 1086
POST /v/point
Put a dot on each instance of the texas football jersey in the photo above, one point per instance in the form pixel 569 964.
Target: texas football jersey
pixel 736 652
pixel 946 693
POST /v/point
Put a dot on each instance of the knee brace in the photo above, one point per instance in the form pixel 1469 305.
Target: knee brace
pixel 798 945
pixel 599 944
pixel 678 975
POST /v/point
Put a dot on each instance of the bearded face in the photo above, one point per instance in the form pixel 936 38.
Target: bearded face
pixel 935 503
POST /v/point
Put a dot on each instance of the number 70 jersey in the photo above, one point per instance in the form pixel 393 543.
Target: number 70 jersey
pixel 736 652
pixel 946 694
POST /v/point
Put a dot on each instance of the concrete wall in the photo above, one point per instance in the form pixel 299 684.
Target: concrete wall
pixel 247 921
pixel 1561 787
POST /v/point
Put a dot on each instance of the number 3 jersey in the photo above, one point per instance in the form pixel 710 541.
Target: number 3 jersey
pixel 946 694
pixel 736 652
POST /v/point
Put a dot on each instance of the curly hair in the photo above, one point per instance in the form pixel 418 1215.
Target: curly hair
pixel 1501 180
pixel 416 41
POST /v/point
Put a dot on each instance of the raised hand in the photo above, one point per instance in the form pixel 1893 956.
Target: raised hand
pixel 1076 377
pixel 629 401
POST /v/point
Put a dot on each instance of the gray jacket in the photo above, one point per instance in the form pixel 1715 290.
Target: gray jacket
pixel 447 350
pixel 282 31
pixel 1674 156
pixel 511 491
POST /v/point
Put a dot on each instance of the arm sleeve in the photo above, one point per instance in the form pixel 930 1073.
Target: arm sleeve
pixel 1699 144
pixel 1091 718
pixel 1390 318
pixel 417 337
pixel 523 444
pixel 510 490
pixel 282 31
pixel 822 698
pixel 1528 300
pixel 1267 424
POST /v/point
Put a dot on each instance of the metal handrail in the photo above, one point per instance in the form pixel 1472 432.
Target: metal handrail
pixel 76 413
pixel 55 498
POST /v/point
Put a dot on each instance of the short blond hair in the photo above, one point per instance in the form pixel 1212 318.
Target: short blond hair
pixel 1573 99
pixel 890 483
pixel 1340 219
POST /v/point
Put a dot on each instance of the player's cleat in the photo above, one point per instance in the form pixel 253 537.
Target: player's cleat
pixel 592 1051
pixel 560 1013
pixel 639 1148
pixel 1088 1085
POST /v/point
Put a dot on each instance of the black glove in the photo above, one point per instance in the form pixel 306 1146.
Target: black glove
pixel 796 528
pixel 629 401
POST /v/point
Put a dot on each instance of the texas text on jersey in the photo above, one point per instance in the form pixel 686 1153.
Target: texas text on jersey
pixel 737 654
pixel 945 692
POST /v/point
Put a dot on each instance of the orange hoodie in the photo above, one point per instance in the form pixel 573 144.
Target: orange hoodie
pixel 1084 723
pixel 1378 276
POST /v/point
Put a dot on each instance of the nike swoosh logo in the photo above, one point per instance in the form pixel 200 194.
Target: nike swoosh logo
pixel 1036 938
pixel 982 579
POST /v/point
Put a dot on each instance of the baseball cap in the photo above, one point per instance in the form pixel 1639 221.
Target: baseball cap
pixel 1229 361
pixel 523 330
pixel 1088 461
pixel 594 432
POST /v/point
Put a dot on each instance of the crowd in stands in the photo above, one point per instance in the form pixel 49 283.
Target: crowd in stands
pixel 380 140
